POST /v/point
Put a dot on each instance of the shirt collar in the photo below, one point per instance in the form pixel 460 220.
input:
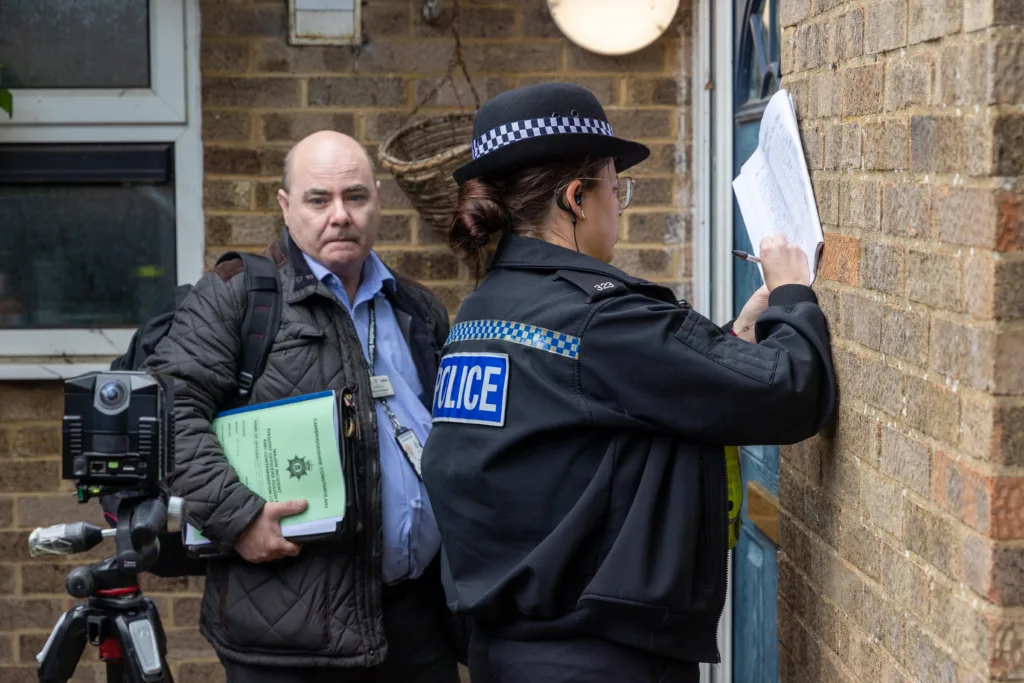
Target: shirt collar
pixel 375 277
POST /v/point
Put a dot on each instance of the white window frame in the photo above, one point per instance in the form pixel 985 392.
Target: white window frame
pixel 170 111
pixel 162 102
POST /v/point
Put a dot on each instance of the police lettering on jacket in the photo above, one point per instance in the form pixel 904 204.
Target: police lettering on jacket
pixel 472 388
pixel 575 464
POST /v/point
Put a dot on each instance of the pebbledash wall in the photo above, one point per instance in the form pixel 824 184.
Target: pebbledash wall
pixel 259 96
pixel 902 531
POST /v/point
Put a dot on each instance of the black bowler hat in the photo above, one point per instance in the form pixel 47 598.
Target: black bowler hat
pixel 543 123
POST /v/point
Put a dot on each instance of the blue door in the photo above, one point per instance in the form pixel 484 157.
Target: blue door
pixel 755 584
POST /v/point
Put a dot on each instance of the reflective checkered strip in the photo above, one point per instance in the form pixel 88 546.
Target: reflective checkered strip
pixel 535 337
pixel 532 128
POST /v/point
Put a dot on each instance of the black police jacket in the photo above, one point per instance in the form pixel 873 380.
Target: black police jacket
pixel 575 464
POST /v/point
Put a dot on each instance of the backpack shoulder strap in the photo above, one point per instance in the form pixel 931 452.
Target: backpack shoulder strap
pixel 262 317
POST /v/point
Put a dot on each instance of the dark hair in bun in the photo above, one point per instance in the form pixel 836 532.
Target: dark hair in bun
pixel 516 204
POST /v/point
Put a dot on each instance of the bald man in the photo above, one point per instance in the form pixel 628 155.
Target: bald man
pixel 368 606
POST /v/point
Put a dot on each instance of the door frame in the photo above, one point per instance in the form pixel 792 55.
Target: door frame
pixel 712 97
pixel 714 58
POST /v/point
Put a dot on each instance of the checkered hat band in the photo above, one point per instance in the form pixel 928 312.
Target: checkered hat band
pixel 508 133
pixel 535 337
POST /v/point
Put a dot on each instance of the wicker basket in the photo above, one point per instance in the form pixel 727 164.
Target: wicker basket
pixel 422 156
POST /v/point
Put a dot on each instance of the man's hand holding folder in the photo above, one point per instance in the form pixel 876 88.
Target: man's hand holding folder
pixel 289 453
pixel 262 541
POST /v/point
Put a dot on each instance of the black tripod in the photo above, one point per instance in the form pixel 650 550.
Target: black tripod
pixel 116 617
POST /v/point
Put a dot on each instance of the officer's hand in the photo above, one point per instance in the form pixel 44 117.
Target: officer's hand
pixel 783 263
pixel 743 326
pixel 262 540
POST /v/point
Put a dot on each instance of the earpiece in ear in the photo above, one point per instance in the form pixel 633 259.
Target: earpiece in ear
pixel 579 197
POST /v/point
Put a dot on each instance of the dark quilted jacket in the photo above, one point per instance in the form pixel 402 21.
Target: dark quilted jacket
pixel 322 608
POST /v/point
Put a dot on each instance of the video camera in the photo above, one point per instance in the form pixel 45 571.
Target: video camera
pixel 118 444
pixel 118 432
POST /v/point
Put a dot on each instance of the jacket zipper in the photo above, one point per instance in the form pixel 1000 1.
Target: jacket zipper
pixel 721 610
pixel 351 432
pixel 372 474
pixel 711 539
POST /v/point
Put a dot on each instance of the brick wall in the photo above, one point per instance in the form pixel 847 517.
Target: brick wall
pixel 259 96
pixel 902 533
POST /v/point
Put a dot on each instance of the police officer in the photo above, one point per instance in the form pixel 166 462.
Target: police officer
pixel 575 463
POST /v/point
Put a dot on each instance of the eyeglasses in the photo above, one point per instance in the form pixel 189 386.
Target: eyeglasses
pixel 623 188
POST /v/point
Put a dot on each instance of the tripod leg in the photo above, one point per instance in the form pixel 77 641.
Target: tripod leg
pixel 59 657
pixel 161 637
pixel 142 642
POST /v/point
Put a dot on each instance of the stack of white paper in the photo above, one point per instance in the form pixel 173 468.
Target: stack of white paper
pixel 774 189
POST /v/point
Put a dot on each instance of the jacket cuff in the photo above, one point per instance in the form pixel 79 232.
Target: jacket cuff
pixel 788 296
pixel 240 521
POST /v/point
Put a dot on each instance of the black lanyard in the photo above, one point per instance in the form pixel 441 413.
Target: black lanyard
pixel 371 339
pixel 371 352
pixel 407 439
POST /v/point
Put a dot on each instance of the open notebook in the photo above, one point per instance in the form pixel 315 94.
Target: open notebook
pixel 774 189
pixel 287 450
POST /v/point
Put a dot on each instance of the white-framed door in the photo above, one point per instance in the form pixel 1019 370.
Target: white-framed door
pixel 712 172
pixel 736 60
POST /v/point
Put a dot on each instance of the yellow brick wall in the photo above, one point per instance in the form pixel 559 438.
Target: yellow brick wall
pixel 902 533
pixel 259 96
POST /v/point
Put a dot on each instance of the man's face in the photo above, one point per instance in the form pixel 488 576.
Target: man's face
pixel 332 205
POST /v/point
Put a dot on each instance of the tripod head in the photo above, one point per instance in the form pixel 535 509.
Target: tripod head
pixel 140 520
pixel 117 618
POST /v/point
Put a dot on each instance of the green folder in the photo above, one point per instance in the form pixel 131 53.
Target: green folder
pixel 287 450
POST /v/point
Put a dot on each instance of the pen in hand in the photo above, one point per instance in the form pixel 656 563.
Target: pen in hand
pixel 745 256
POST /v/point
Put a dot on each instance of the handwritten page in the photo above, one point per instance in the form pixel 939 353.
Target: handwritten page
pixel 773 188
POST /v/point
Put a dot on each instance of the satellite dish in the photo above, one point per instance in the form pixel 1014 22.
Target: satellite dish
pixel 613 27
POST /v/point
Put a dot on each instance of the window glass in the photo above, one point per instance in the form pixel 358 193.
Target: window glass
pixel 86 254
pixel 74 43
pixel 768 33
pixel 772 41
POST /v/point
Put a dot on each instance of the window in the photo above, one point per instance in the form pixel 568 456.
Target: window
pixel 757 66
pixel 120 61
pixel 91 234
pixel 100 176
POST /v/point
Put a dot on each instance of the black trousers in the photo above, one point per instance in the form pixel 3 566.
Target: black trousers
pixel 420 646
pixel 571 661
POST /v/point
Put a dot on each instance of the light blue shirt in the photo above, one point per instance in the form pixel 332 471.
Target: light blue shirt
pixel 411 537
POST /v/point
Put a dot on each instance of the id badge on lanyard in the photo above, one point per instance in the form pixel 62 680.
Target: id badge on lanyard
pixel 412 448
pixel 380 386
pixel 381 389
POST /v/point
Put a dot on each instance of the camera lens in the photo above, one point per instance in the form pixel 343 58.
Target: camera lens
pixel 111 393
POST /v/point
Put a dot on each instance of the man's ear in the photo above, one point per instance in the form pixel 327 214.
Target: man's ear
pixel 282 200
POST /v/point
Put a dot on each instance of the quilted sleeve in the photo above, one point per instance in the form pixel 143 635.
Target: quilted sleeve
pixel 200 354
